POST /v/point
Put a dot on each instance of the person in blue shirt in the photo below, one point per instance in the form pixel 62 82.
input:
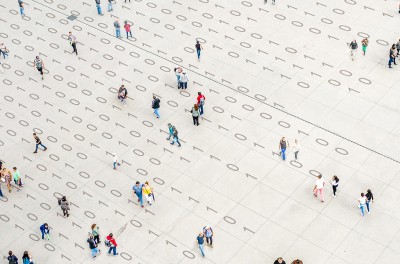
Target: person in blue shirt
pixel 200 242
pixel 137 189
pixel 45 231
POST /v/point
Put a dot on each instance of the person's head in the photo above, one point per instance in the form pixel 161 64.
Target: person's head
pixel 125 22
pixel 173 127
pixel 26 254
pixel 362 194
pixel 110 235
pixel 280 260
pixel 283 138
pixel 354 41
pixel 147 183
pixel 137 183
pixel 34 134
pixel 64 198
pixel 10 253
pixel 70 32
pixel 169 125
pixel 195 107
pixel 93 226
pixel 319 176
pixel 37 57
pixel 369 191
pixel 14 168
pixel 122 86
pixel 154 97
pixel 199 93
pixel 335 177
pixel 201 234
pixel 198 42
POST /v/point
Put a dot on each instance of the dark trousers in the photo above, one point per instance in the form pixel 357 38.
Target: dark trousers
pixel 74 47
pixel 113 249
pixel 295 154
pixel 390 62
pixel 334 189
pixel 367 203
pixel 1 193
pixel 209 240
pixel 195 120
pixel 65 212
pixel 201 109
pixel 97 239
pixel 128 32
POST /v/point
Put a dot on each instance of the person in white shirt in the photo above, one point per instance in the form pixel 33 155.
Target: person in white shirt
pixel 296 148
pixel 319 187
pixel 361 203
pixel 116 162
pixel 183 80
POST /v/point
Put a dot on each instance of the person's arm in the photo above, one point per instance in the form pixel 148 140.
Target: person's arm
pixel 372 197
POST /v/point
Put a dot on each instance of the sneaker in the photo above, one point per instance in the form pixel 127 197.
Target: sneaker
pixel 333 195
pixel 35 152
pixel 172 143
pixel 45 149
pixel 94 256
pixel 138 200
pixel 142 206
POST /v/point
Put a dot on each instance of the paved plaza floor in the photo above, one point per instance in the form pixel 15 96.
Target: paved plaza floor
pixel 267 71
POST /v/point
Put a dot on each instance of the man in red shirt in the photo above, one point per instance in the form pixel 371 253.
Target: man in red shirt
pixel 127 27
pixel 112 244
pixel 200 102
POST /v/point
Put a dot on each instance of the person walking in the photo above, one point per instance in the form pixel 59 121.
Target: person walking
pixel 38 143
pixel 364 44
pixel 72 41
pixel 170 131
pixel 138 190
pixel 201 99
pixel 45 230
pixel 391 57
pixel 175 138
pixel 21 7
pixel 200 242
pixel 98 7
pixel 39 64
pixel 398 47
pixel 195 114
pixel 127 27
pixel 282 147
pixel 64 206
pixel 3 50
pixel 7 177
pixel 17 179
pixel 319 187
pixel 208 233
pixel 117 29
pixel 178 70
pixel 123 94
pixel 110 7
pixel 129 1
pixel 199 48
pixel 95 233
pixel 370 198
pixel 112 244
pixel 12 259
pixel 279 261
pixel 183 80
pixel 93 246
pixel 361 203
pixel 394 53
pixel 296 149
pixel 27 258
pixel 148 192
pixel 353 49
pixel 335 184
pixel 115 162
pixel 1 181
pixel 155 104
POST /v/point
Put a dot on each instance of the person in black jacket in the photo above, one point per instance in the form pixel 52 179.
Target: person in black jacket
pixel 38 143
pixel 279 261
pixel 370 198
pixel 155 104
pixel 12 259
pixel 93 246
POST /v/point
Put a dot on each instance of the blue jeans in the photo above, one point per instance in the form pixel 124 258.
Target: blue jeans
pixel 21 9
pixel 283 154
pixel 110 7
pixel 1 193
pixel 115 165
pixel 98 9
pixel 95 251
pixel 178 78
pixel 201 109
pixel 198 54
pixel 113 249
pixel 140 196
pixel 118 32
pixel 201 246
pixel 156 112
pixel 362 209
pixel 37 145
pixel 176 139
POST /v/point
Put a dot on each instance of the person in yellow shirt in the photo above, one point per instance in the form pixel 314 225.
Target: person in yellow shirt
pixel 148 192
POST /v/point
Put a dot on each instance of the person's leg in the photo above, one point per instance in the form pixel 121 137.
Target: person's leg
pixel 394 60
pixel 283 154
pixel 157 113
pixel 211 240
pixel 42 233
pixel 93 252
pixel 198 54
pixel 362 210
pixel 127 36
pixel 141 199
pixel 201 246
pixel 367 203
pixel 201 109
pixel 115 165
pixel 37 145
pixel 130 32
pixel 197 120
pixel 321 193
pixel 295 155
pixel 315 192
pixel 1 193
pixel 334 190
pixel 44 147
pixel 194 120
pixel 98 9
pixel 177 141
pixel 109 250
pixel 114 251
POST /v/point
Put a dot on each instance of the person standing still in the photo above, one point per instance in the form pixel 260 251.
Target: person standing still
pixel 17 179
pixel 353 49
pixel 138 191
pixel 127 27
pixel 370 198
pixel 110 7
pixel 282 147
pixel 279 261
pixel 117 29
pixel 175 138
pixel 39 64
pixel 98 7
pixel 319 187
pixel 123 94
pixel 296 148
pixel 201 99
pixel 115 161
pixel 45 230
pixel 208 233
pixel 170 131
pixel 72 41
pixel 335 184
pixel 195 114
pixel 391 58
pixel 21 7
pixel 12 259
pixel 38 143
pixel 65 206
pixel 200 242
pixel 3 50
pixel 183 80
pixel 7 176
pixel 364 44
pixel 155 104
pixel 361 203
pixel 27 258
pixel 199 48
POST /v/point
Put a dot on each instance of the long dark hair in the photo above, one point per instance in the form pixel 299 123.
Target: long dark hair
pixel 26 255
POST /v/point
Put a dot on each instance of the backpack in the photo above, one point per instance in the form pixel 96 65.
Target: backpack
pixel 107 243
